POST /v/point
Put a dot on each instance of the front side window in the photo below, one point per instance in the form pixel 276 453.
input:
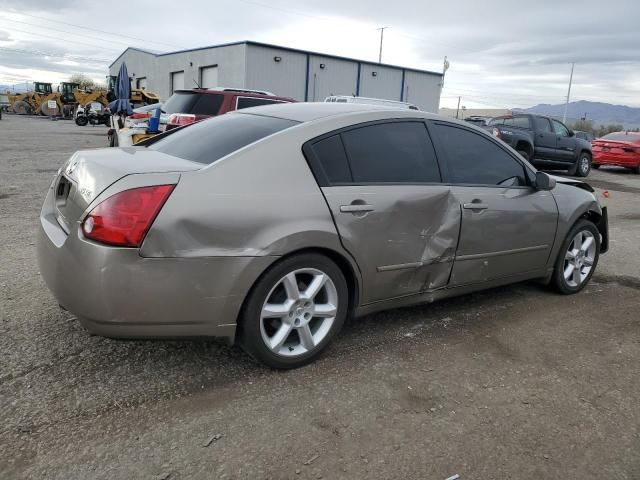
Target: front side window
pixel 476 160
pixel 394 152
pixel 560 129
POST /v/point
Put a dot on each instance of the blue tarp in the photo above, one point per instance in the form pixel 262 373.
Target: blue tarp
pixel 122 92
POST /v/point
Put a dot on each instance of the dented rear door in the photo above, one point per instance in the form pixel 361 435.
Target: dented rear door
pixel 403 237
pixel 382 183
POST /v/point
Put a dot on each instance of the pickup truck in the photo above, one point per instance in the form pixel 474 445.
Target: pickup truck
pixel 544 142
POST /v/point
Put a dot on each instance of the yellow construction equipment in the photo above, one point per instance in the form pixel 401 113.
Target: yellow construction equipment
pixel 139 96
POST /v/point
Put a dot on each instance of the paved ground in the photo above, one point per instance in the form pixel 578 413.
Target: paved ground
pixel 516 382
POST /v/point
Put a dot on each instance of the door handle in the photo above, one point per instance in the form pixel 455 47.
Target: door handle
pixel 475 206
pixel 356 208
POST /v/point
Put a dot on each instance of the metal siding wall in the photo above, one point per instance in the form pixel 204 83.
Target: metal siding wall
pixel 285 78
pixel 230 61
pixel 386 84
pixel 338 77
pixel 139 64
pixel 423 90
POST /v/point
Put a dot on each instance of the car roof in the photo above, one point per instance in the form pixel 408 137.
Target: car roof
pixel 310 111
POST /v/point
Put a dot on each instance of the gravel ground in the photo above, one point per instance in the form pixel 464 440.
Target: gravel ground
pixel 516 382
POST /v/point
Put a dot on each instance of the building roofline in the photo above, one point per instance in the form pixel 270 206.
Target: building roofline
pixel 132 48
pixel 288 49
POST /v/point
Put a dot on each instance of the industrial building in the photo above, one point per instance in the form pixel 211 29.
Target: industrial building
pixel 299 74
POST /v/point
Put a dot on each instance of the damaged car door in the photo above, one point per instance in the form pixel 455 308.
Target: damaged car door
pixel 508 227
pixel 383 185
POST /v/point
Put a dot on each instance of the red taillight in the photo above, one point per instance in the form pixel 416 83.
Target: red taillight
pixel 124 218
pixel 496 132
pixel 139 115
pixel 180 119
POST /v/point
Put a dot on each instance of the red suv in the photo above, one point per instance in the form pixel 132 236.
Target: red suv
pixel 188 106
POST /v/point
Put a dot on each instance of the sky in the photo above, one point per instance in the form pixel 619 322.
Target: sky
pixel 502 54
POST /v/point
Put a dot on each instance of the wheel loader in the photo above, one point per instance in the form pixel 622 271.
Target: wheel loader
pixel 32 102
pixel 139 96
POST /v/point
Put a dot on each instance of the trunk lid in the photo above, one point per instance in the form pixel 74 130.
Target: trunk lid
pixel 88 173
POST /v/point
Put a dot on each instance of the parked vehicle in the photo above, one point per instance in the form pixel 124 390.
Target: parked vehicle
pixel 270 226
pixel 478 120
pixel 369 101
pixel 93 113
pixel 621 149
pixel 188 106
pixel 544 141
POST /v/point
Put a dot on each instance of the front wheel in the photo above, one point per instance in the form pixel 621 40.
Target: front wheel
pixel 294 311
pixel 82 120
pixel 577 258
pixel 584 165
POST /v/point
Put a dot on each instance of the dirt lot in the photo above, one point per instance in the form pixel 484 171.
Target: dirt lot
pixel 516 382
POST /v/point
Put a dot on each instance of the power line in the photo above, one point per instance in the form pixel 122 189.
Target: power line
pixel 100 31
pixel 66 32
pixel 55 55
pixel 58 38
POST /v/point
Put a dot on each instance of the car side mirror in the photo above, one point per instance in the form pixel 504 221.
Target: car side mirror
pixel 572 133
pixel 544 181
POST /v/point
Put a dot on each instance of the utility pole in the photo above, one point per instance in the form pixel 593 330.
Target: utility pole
pixel 566 105
pixel 381 38
pixel 458 109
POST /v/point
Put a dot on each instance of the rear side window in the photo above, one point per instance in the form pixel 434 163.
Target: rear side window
pixel 331 161
pixel 248 102
pixel 474 159
pixel 193 103
pixel 522 122
pixel 395 152
pixel 542 124
pixel 210 140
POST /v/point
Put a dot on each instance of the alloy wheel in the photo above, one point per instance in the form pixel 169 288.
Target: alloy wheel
pixel 584 165
pixel 579 258
pixel 299 312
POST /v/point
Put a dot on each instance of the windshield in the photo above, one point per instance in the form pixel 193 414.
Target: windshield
pixel 194 103
pixel 210 140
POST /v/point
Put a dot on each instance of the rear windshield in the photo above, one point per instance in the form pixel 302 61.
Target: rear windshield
pixel 622 137
pixel 194 103
pixel 210 140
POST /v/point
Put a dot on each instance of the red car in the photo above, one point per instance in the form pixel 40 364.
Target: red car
pixel 188 106
pixel 621 149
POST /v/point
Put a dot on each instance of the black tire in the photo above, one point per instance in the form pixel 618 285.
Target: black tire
pixel 595 166
pixel 524 154
pixel 250 335
pixel 558 279
pixel 113 139
pixel 583 165
pixel 82 120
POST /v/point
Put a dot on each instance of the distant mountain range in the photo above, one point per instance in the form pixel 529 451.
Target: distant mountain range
pixel 600 113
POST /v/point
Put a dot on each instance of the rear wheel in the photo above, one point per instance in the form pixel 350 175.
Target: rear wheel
pixel 294 311
pixel 577 258
pixel 583 165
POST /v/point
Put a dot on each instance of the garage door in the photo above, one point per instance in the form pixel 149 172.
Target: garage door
pixel 209 77
pixel 177 81
pixel 141 82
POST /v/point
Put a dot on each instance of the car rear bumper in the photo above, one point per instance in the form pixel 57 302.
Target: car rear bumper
pixel 603 158
pixel 117 293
